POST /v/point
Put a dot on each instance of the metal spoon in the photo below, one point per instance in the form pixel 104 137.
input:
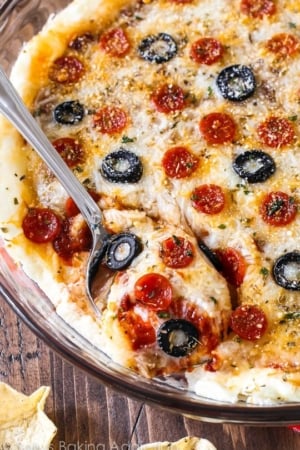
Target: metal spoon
pixel 13 108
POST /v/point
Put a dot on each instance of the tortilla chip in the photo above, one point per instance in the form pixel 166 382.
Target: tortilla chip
pixel 23 423
pixel 187 443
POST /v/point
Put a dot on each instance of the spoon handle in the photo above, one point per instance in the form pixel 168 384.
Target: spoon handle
pixel 13 108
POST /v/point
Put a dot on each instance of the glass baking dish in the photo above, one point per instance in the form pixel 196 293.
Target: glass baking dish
pixel 19 21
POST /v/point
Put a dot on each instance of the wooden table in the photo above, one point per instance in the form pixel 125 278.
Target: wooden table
pixel 89 416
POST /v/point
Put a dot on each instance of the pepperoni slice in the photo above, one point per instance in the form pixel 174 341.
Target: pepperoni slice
pixel 154 291
pixel 140 332
pixel 208 199
pixel 63 244
pixel 70 150
pixel 207 51
pixel 276 132
pixel 233 265
pixel 217 128
pixel 115 42
pixel 71 208
pixel 169 98
pixel 69 241
pixel 278 209
pixel 67 69
pixel 248 322
pixel 82 241
pixel 258 8
pixel 283 44
pixel 41 225
pixel 177 252
pixel 179 162
pixel 110 120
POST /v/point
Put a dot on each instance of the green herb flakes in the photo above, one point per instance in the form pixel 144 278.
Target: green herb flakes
pixel 127 140
pixel 292 315
pixel 176 240
pixel 264 272
pixel 163 314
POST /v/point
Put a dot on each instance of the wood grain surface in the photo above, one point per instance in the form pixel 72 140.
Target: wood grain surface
pixel 89 416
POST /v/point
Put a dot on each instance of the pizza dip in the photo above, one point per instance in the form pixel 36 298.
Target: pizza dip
pixel 181 119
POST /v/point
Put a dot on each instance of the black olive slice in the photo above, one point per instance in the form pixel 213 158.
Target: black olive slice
pixel 254 166
pixel 286 271
pixel 211 256
pixel 177 337
pixel 158 48
pixel 69 113
pixel 81 41
pixel 122 249
pixel 236 83
pixel 122 166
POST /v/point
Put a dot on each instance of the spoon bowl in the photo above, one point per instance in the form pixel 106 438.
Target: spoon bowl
pixel 13 108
